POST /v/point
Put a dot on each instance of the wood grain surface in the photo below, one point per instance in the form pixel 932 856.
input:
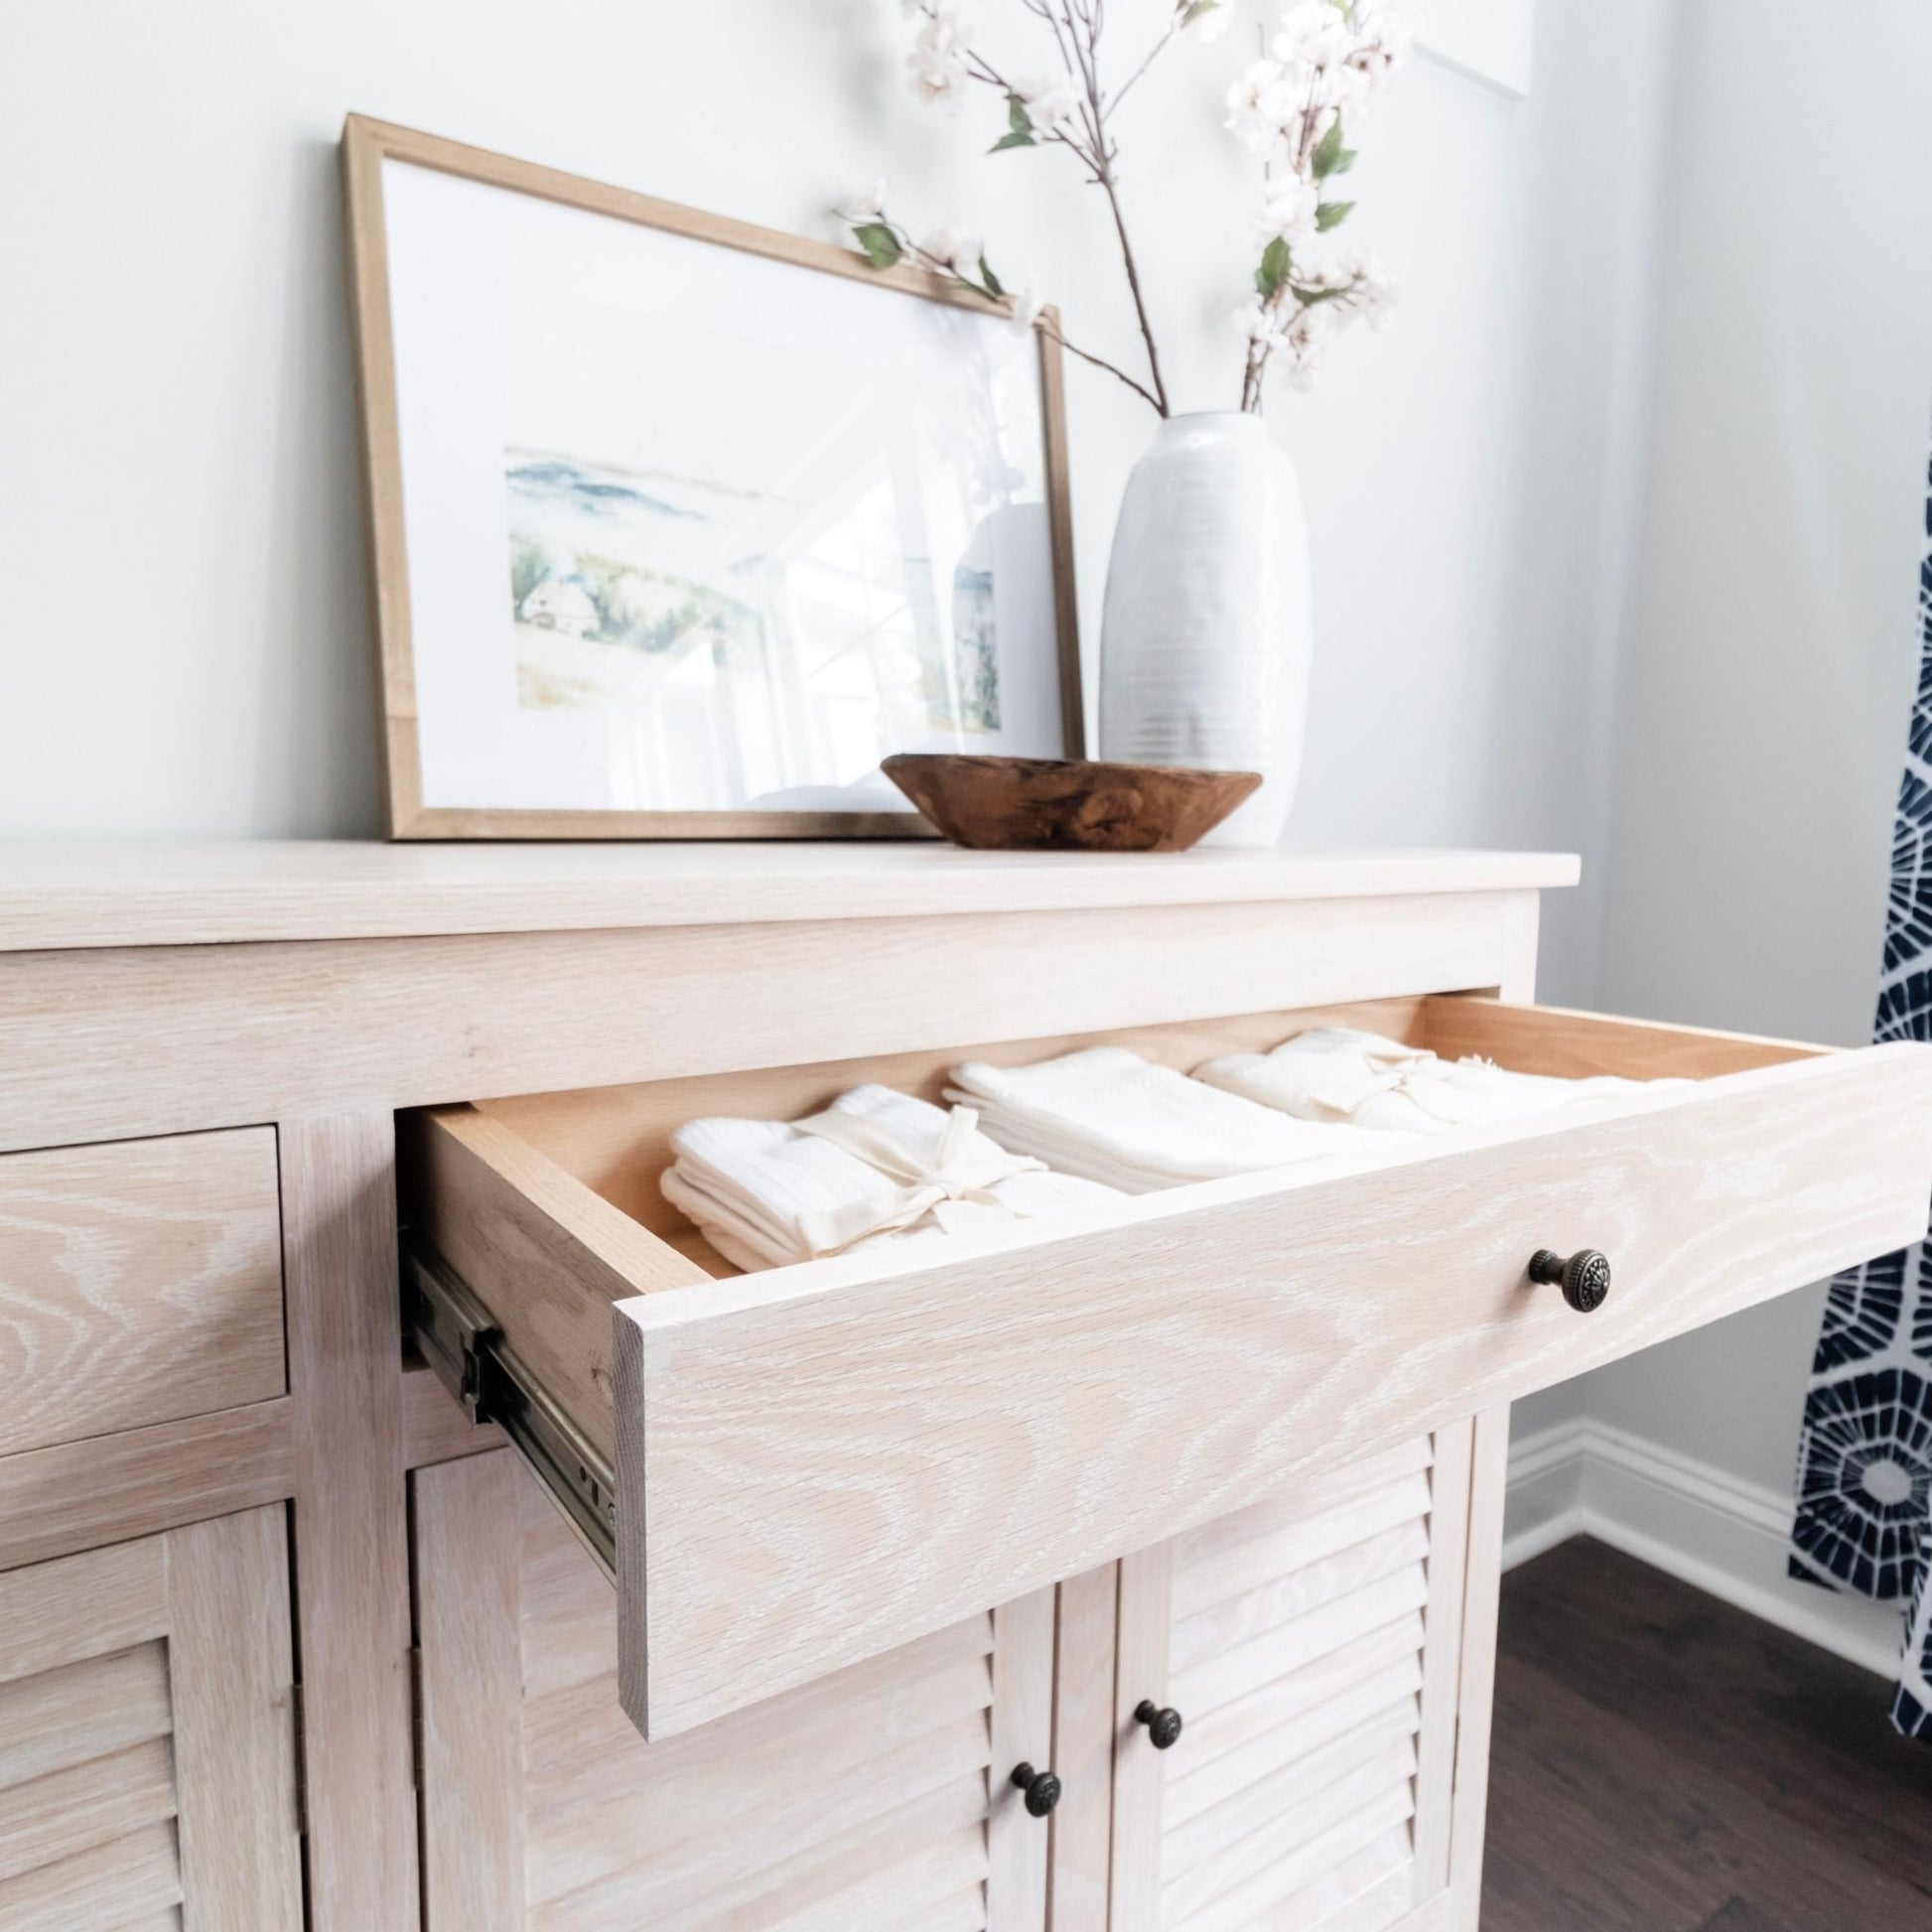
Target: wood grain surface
pixel 147 1749
pixel 999 804
pixel 945 1434
pixel 158 892
pixel 1083 1750
pixel 139 1282
pixel 79 1495
pixel 350 1537
pixel 226 1036
pixel 1306 1644
pixel 469 1637
pixel 874 1800
pixel 1488 1493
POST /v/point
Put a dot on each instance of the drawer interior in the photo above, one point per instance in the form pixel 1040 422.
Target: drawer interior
pixel 616 1141
pixel 548 1209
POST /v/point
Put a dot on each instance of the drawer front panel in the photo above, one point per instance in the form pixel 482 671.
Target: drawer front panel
pixel 875 1799
pixel 834 1464
pixel 140 1282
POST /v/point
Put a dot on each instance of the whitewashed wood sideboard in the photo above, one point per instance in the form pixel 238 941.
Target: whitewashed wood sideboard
pixel 286 1640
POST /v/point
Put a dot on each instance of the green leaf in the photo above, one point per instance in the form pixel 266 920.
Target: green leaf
pixel 1272 275
pixel 1332 215
pixel 1344 161
pixel 881 244
pixel 1020 127
pixel 1196 9
pixel 988 280
pixel 1328 151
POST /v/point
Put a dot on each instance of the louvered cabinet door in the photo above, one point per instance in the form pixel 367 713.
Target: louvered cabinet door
pixel 878 1799
pixel 147 1749
pixel 1314 1645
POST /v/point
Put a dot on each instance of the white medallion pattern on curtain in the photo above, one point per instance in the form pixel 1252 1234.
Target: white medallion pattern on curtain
pixel 1864 1460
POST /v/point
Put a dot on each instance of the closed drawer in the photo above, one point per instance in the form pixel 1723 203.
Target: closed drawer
pixel 816 1463
pixel 140 1282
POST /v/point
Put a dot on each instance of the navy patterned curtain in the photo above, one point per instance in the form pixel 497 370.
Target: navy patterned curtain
pixel 1864 1461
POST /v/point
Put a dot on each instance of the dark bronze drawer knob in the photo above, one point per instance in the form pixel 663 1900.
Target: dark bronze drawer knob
pixel 1584 1278
pixel 1042 1788
pixel 1163 1726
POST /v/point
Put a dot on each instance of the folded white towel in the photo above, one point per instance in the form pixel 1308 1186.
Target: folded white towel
pixel 876 1165
pixel 1338 1073
pixel 1109 1115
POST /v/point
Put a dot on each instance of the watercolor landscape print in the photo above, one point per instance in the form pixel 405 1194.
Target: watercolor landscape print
pixel 768 565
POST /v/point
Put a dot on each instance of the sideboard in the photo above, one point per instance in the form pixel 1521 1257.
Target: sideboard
pixel 406 1523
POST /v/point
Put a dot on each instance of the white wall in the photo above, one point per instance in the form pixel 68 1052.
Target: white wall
pixel 186 645
pixel 1772 644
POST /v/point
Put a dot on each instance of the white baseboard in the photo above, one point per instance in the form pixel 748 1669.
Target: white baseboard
pixel 1705 1526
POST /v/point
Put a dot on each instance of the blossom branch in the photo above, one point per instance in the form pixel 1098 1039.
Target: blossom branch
pixel 1141 389
pixel 1289 106
pixel 958 258
pixel 1086 37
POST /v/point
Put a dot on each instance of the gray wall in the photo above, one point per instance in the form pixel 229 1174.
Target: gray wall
pixel 1762 689
pixel 180 519
pixel 1773 653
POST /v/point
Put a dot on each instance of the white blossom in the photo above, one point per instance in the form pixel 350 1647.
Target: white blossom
pixel 1305 343
pixel 1314 45
pixel 1375 291
pixel 1290 205
pixel 1261 105
pixel 1028 303
pixel 1383 37
pixel 938 61
pixel 864 205
pixel 956 249
pixel 1051 103
pixel 1260 323
pixel 1326 277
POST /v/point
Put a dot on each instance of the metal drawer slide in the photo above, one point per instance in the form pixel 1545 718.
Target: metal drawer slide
pixel 463 1343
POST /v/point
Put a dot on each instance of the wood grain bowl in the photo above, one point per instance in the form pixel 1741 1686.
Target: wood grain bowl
pixel 1065 804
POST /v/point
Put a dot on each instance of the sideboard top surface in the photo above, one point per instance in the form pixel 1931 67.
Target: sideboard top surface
pixel 59 895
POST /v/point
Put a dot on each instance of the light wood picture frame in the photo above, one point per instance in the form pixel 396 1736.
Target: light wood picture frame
pixel 370 152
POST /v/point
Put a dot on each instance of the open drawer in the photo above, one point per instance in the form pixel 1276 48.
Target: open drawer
pixel 797 1470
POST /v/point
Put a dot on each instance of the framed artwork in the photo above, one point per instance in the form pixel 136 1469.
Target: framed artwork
pixel 680 525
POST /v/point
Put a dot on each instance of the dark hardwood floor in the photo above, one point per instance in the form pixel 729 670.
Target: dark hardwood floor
pixel 1665 1763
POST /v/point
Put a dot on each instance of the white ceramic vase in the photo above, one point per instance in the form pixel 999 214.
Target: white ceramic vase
pixel 1204 637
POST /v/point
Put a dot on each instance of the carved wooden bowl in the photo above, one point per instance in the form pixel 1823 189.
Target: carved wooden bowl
pixel 1067 805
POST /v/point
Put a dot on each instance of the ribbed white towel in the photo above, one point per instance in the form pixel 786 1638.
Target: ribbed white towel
pixel 1338 1073
pixel 1109 1115
pixel 876 1165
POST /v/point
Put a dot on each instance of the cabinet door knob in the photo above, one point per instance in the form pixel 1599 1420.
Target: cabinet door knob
pixel 1163 1726
pixel 1042 1788
pixel 1584 1278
